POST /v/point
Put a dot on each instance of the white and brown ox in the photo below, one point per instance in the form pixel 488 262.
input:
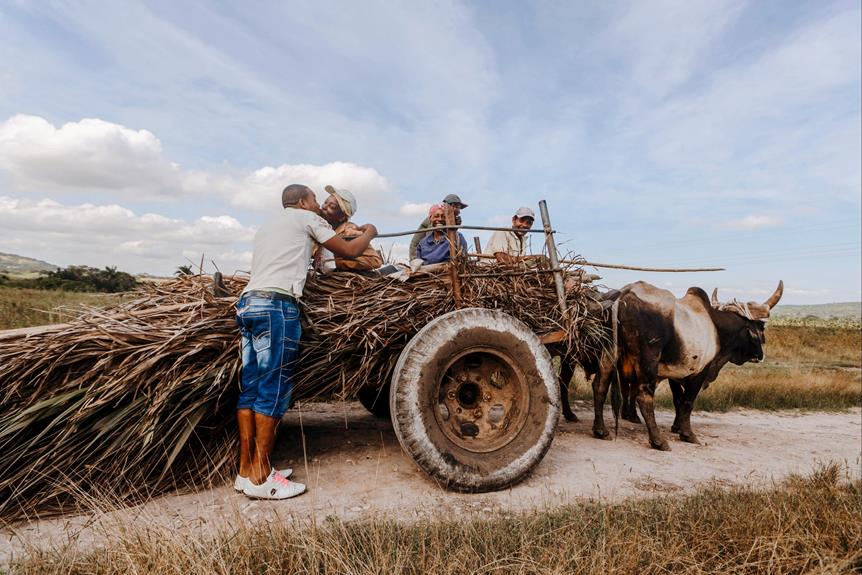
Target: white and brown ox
pixel 686 341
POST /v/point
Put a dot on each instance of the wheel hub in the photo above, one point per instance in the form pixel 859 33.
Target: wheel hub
pixel 483 400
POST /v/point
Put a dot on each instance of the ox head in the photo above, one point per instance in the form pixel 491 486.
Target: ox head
pixel 751 329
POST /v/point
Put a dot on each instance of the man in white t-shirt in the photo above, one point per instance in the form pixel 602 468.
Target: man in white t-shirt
pixel 268 319
pixel 509 246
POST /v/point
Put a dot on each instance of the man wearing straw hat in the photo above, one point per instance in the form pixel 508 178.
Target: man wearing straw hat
pixel 337 210
pixel 510 246
pixel 268 319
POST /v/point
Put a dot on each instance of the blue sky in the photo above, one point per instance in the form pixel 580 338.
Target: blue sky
pixel 661 133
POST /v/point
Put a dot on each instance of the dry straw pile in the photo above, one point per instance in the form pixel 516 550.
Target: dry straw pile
pixel 138 400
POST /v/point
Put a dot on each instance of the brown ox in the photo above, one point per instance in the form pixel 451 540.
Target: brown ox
pixel 686 341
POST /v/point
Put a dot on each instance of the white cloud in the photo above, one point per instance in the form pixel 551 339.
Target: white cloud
pixel 113 235
pixel 88 154
pixel 95 155
pixel 262 189
pixel 753 222
pixel 410 209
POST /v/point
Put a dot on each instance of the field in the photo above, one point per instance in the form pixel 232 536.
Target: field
pixel 806 524
pixel 28 307
pixel 742 522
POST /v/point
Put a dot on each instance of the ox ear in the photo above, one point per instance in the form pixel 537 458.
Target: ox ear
pixel 714 299
pixel 773 299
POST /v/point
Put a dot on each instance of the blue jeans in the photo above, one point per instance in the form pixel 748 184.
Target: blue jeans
pixel 270 331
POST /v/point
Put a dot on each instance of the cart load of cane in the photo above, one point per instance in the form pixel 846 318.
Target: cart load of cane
pixel 139 399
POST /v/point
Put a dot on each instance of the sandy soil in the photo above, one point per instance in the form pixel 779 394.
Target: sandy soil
pixel 354 468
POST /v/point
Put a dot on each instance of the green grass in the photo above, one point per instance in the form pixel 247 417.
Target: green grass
pixel 807 524
pixel 28 307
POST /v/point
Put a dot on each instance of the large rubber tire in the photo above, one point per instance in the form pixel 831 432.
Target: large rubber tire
pixel 375 401
pixel 475 400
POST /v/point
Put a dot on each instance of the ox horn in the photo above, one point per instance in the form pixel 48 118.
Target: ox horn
pixel 773 299
pixel 714 299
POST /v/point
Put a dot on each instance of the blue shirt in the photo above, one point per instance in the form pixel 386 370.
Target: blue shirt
pixel 435 252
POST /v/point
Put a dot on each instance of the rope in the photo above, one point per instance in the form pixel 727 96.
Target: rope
pixel 737 307
pixel 617 396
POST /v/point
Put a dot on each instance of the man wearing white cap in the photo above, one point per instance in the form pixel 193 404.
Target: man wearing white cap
pixel 508 246
pixel 337 210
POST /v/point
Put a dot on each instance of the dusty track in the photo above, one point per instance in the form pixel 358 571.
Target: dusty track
pixel 354 468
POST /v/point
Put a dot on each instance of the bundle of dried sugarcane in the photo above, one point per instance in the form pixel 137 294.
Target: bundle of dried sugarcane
pixel 139 399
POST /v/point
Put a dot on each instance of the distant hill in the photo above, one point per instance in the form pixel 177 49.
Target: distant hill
pixel 841 315
pixel 13 264
pixel 850 309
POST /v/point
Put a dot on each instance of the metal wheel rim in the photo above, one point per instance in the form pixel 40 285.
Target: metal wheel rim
pixel 481 408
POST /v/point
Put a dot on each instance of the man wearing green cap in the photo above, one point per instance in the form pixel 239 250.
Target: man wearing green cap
pixel 451 199
pixel 337 210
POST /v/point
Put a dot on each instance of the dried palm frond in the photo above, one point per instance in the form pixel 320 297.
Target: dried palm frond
pixel 139 399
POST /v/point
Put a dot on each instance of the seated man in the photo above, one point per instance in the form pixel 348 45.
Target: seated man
pixel 434 248
pixel 457 205
pixel 509 246
pixel 337 210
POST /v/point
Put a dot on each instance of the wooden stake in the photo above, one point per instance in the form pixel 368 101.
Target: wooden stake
pixel 552 255
pixel 452 236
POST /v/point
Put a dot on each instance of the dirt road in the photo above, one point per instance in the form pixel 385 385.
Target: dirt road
pixel 354 467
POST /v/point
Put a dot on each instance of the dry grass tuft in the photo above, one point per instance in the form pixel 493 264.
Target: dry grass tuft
pixel 808 525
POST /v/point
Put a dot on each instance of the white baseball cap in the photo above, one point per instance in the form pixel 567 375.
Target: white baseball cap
pixel 525 212
pixel 345 199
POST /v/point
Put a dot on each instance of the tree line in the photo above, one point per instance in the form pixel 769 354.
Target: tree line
pixel 77 279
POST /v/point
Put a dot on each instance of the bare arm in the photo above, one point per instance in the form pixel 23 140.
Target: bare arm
pixel 417 237
pixel 354 248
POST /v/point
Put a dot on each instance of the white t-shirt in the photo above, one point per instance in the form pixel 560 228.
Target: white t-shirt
pixel 507 242
pixel 282 250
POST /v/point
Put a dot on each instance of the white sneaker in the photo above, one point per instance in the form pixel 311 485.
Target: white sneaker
pixel 240 481
pixel 275 487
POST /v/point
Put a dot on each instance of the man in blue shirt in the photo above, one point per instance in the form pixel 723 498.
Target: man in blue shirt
pixel 434 248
